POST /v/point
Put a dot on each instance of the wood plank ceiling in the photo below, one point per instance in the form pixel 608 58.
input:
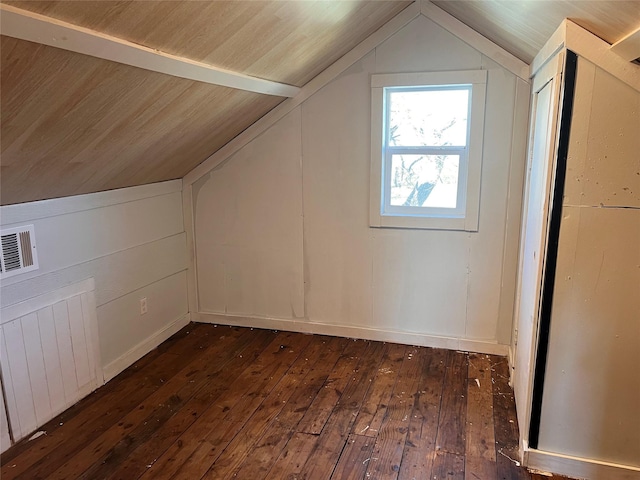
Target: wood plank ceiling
pixel 73 124
pixel 522 27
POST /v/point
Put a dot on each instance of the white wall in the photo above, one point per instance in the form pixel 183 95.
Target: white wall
pixel 591 402
pixel 282 232
pixel 132 242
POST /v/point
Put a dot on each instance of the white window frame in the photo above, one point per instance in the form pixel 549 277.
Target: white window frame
pixel 466 215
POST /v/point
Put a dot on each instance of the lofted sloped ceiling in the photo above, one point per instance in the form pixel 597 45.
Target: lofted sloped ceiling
pixel 73 123
pixel 286 41
pixel 522 27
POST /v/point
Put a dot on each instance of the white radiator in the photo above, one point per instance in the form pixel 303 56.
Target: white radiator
pixel 49 354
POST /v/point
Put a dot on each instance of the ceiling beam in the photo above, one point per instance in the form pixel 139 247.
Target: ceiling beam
pixel 629 47
pixel 25 25
pixel 410 13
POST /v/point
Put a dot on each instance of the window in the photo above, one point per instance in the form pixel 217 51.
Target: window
pixel 426 149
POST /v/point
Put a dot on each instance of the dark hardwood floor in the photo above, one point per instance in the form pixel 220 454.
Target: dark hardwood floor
pixel 218 402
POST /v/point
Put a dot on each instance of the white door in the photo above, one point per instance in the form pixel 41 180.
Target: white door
pixel 540 170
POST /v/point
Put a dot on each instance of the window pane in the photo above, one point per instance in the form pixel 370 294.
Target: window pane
pixel 429 117
pixel 424 180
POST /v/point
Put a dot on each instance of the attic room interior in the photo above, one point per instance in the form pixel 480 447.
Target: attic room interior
pixel 323 239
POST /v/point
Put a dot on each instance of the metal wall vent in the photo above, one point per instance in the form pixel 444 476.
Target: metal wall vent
pixel 18 252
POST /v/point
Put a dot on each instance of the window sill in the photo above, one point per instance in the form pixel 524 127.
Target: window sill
pixel 423 223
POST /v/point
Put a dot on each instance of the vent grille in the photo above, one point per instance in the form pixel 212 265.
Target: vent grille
pixel 18 252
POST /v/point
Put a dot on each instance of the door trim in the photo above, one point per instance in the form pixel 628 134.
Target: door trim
pixel 551 257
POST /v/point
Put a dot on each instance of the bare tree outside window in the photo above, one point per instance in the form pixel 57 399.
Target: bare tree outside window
pixel 432 118
pixel 427 130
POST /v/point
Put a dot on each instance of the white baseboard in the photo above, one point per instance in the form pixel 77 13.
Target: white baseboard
pixel 576 467
pixel 144 347
pixel 408 338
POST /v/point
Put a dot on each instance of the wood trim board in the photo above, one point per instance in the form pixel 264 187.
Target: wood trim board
pixel 408 338
pixel 517 174
pixel 33 27
pixel 597 51
pixel 474 39
pixel 21 309
pixel 27 212
pixel 554 44
pixel 629 47
pixel 585 44
pixel 577 467
pixel 189 228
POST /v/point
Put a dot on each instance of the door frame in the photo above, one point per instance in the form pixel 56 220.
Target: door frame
pixel 524 356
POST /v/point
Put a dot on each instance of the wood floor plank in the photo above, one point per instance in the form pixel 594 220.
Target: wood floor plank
pixel 374 408
pixel 354 459
pixel 419 450
pixel 209 448
pixel 390 443
pixel 265 451
pixel 238 449
pixel 259 405
pixel 480 451
pixel 216 380
pixel 452 421
pixel 316 416
pixel 109 448
pixel 192 336
pixel 235 404
pixel 231 402
pixel 335 433
pixel 121 381
pixel 294 457
pixel 505 423
pixel 448 466
pixel 172 345
pixel 55 448
pixel 264 377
